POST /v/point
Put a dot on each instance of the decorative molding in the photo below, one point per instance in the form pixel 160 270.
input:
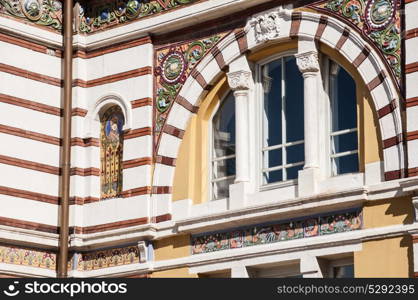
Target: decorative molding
pixel 239 80
pixel 40 12
pixel 143 251
pixel 307 62
pixel 28 257
pixel 276 232
pixel 379 21
pixel 105 14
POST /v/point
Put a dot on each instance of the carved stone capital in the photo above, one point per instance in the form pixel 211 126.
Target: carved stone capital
pixel 308 61
pixel 239 80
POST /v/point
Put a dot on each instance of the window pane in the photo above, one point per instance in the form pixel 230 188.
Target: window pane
pixel 345 142
pixel 344 271
pixel 295 154
pixel 345 164
pixel 224 128
pixel 294 101
pixel 273 104
pixel 223 168
pixel 273 158
pixel 292 173
pixel 344 104
pixel 274 176
pixel 220 190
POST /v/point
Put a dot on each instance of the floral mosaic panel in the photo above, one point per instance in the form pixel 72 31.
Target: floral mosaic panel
pixel 378 20
pixel 267 234
pixel 28 257
pixel 107 258
pixel 42 12
pixel 109 13
pixel 173 66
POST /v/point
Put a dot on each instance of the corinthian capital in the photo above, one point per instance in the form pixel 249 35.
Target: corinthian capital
pixel 239 80
pixel 308 61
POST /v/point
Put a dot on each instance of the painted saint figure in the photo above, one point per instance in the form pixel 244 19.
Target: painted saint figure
pixel 111 146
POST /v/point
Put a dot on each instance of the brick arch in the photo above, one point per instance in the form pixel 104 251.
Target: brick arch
pixel 292 24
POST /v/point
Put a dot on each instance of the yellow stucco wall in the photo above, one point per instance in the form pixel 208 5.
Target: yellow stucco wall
pixel 391 257
pixel 172 247
pixel 174 273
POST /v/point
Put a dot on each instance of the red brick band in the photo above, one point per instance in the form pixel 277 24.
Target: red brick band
pixel 29 195
pixel 136 192
pixel 26 164
pixel 131 134
pixel 141 102
pixel 412 135
pixel 186 104
pixel 295 25
pixel 30 75
pixel 393 141
pixel 411 68
pixel 385 110
pixel 28 225
pixel 30 135
pixel 343 38
pixel 87 142
pixel 127 164
pixel 48 109
pixel 164 160
pixel 199 78
pixel 378 80
pixel 160 190
pixel 174 131
pixel 393 175
pixel 113 78
pixel 29 45
pixel 162 218
pixel 108 226
pixel 241 39
pixel 411 33
pixel 323 22
pixel 217 54
pixel 85 171
pixel 410 102
pixel 361 57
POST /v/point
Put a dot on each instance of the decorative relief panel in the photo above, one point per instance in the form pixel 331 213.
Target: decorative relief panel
pixel 28 257
pixel 377 20
pixel 267 234
pixel 172 67
pixel 107 258
pixel 104 14
pixel 42 12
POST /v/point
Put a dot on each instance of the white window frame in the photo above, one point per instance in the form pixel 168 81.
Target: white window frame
pixel 259 91
pixel 331 170
pixel 211 151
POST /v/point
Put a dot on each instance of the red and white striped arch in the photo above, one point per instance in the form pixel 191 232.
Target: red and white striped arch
pixel 293 24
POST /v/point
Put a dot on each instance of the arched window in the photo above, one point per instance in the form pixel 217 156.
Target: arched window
pixel 111 150
pixel 223 153
pixel 282 118
pixel 343 121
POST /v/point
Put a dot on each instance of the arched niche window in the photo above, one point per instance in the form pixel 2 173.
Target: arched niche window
pixel 223 148
pixel 282 120
pixel 343 121
pixel 111 151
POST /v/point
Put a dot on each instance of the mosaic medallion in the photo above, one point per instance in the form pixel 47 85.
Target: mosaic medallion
pixel 173 68
pixel 32 9
pixel 380 13
pixel 133 9
pixel 195 52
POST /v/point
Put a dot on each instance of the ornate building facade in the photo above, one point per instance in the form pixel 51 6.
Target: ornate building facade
pixel 217 138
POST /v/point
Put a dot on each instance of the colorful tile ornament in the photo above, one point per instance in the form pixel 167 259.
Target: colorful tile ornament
pixel 173 66
pixel 268 234
pixel 105 14
pixel 107 258
pixel 41 12
pixel 377 20
pixel 28 257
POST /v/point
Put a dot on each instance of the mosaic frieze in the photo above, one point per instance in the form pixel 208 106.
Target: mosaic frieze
pixel 27 257
pixel 378 20
pixel 173 66
pixel 42 12
pixel 109 13
pixel 272 233
pixel 107 258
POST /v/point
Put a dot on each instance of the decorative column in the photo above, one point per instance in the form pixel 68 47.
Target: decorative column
pixel 239 82
pixel 309 67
